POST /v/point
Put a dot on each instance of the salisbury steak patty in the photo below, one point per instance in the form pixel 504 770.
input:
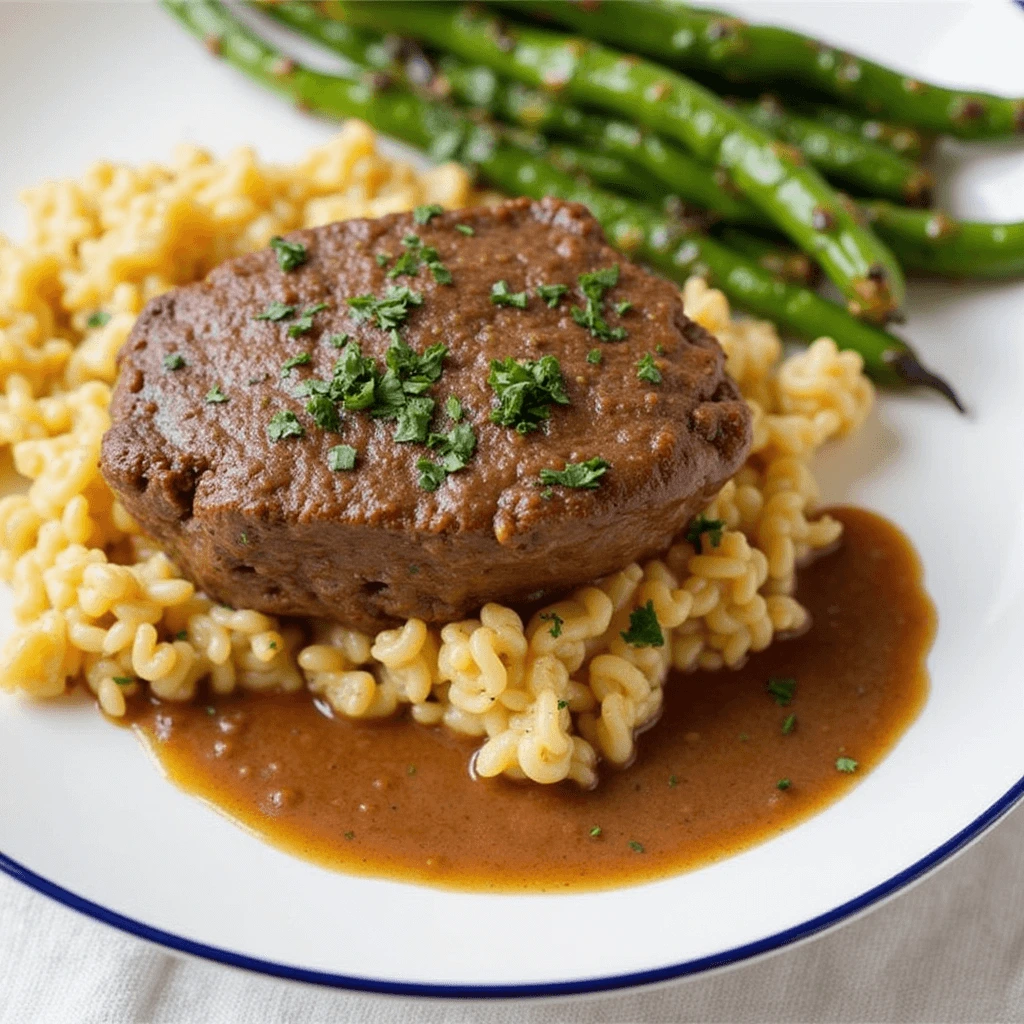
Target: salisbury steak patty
pixel 202 448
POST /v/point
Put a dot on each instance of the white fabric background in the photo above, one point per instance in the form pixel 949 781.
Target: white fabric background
pixel 951 949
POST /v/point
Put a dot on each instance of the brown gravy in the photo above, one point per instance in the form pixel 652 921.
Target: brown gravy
pixel 395 799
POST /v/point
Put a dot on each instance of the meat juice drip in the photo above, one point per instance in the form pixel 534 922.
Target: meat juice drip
pixel 396 800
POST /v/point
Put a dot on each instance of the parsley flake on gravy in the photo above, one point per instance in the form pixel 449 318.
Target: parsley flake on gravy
pixel 556 621
pixel 644 628
pixel 276 311
pixel 414 420
pixel 415 256
pixel 465 229
pixel 289 254
pixel 783 784
pixel 388 312
pixel 594 357
pixel 431 474
pixel 174 361
pixel 702 525
pixel 782 689
pixel 97 319
pixel 215 396
pixel 337 340
pixel 595 832
pixel 846 764
pixel 425 214
pixel 579 475
pixel 302 359
pixel 341 457
pixel 526 391
pixel 593 286
pixel 453 407
pixel 788 725
pixel 646 369
pixel 383 258
pixel 501 296
pixel 284 424
pixel 623 307
pixel 324 413
pixel 305 322
pixel 635 846
pixel 551 293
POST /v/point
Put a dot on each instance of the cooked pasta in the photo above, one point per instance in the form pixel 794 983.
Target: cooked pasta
pixel 97 603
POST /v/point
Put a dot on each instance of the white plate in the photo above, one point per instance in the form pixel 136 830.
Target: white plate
pixel 87 819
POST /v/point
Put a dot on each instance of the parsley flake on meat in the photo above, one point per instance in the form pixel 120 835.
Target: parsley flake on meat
pixel 341 457
pixel 702 525
pixel 276 312
pixel 556 621
pixel 782 689
pixel 501 296
pixel 579 475
pixel 646 369
pixel 846 764
pixel 593 286
pixel 644 628
pixel 174 361
pixel 215 396
pixel 302 359
pixel 305 322
pixel 425 214
pixel 551 293
pixel 526 391
pixel 289 254
pixel 388 312
pixel 97 319
pixel 284 424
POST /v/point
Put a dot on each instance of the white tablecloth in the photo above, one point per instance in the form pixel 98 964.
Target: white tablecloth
pixel 952 949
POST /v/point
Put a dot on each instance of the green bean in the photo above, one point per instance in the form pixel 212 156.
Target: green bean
pixel 700 40
pixel 633 227
pixel 771 254
pixel 934 243
pixel 901 139
pixel 866 167
pixel 772 174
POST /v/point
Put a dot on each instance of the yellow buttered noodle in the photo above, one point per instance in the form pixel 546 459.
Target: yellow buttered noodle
pixel 97 601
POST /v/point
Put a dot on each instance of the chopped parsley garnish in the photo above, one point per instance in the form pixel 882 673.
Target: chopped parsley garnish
pixel 526 391
pixel 788 725
pixel 501 296
pixel 556 621
pixel 455 448
pixel 581 475
pixel 783 784
pixel 337 340
pixel 244 538
pixel 846 764
pixel 416 254
pixel 672 782
pixel 124 680
pixel 324 413
pixel 289 254
pixel 646 369
pixel 388 312
pixel 417 372
pixel 411 770
pixel 341 457
pixel 215 396
pixel 302 359
pixel 425 214
pixel 465 229
pixel 383 259
pixel 644 628
pixel 276 311
pixel 635 846
pixel 622 307
pixel 414 570
pixel 547 494
pixel 595 831
pixel 593 286
pixel 702 525
pixel 414 420
pixel 305 322
pixel 98 319
pixel 562 704
pixel 594 357
pixel 350 835
pixel 453 407
pixel 182 634
pixel 284 424
pixel 431 474
pixel 551 293
pixel 782 689
pixel 174 361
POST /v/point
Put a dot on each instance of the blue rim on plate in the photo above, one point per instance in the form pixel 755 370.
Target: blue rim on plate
pixel 561 988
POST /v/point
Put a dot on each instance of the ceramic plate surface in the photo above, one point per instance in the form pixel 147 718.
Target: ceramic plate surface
pixel 86 817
